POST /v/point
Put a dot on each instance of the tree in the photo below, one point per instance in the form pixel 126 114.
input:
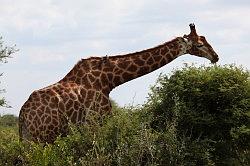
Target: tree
pixel 5 53
pixel 210 107
pixel 8 120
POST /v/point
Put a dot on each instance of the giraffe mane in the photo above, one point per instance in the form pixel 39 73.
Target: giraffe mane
pixel 124 55
pixel 143 51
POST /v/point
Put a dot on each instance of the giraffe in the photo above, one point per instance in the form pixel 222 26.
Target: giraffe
pixel 86 88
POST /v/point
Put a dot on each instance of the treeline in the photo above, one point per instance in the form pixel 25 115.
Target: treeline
pixel 195 116
pixel 8 120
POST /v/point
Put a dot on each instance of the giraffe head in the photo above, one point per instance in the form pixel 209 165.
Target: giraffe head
pixel 198 46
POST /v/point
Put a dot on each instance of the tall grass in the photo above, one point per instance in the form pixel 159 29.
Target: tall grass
pixel 125 138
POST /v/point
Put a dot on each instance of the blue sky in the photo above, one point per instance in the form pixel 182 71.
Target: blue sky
pixel 53 35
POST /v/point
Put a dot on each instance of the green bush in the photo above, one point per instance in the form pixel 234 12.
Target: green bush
pixel 8 121
pixel 210 106
pixel 9 145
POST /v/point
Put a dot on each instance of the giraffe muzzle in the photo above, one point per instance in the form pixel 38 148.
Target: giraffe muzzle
pixel 215 59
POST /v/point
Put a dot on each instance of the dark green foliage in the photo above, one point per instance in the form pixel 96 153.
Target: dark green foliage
pixel 210 106
pixel 8 120
pixel 9 146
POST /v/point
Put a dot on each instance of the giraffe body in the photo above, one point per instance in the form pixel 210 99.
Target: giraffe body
pixel 46 113
pixel 84 91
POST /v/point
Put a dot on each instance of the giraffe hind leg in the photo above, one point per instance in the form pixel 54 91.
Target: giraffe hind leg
pixel 24 134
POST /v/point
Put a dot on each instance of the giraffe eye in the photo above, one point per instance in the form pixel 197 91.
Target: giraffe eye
pixel 200 45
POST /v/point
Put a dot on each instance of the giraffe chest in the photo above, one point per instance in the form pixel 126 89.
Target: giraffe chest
pixel 80 99
pixel 78 104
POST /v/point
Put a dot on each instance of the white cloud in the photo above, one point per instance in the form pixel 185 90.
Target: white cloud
pixel 38 55
pixel 229 23
pixel 36 16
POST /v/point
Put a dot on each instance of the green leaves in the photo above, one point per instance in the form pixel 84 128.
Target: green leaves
pixel 5 53
pixel 205 103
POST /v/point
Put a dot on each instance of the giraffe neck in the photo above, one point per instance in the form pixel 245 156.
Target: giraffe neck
pixel 106 73
pixel 137 64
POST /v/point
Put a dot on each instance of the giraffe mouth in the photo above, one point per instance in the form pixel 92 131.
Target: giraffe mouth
pixel 214 60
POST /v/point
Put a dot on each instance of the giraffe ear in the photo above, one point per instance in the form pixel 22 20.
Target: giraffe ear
pixel 185 36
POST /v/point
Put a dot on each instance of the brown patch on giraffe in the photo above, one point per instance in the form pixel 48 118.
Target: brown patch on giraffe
pixel 59 86
pixel 117 71
pixel 85 65
pixel 50 127
pixel 43 118
pixel 95 64
pixel 30 117
pixel 164 50
pixel 132 68
pixel 110 76
pixel 90 95
pixel 169 57
pixel 123 64
pixel 172 45
pixel 138 62
pixel 72 96
pixel 43 95
pixel 104 79
pixel 73 117
pixel 35 120
pixel 56 115
pixel 55 122
pixel 47 110
pixel 76 105
pixel 48 119
pixel 143 70
pixel 40 112
pixel 156 51
pixel 54 99
pixel 145 56
pixel 150 61
pixel 69 104
pixel 54 112
pixel 83 93
pixel 163 62
pixel 86 83
pixel 78 80
pixel 52 105
pixel 105 109
pixel 127 76
pixel 61 106
pixel 157 58
pixel 80 115
pixel 173 52
pixel 32 128
pixel 106 90
pixel 80 73
pixel 64 84
pixel 104 101
pixel 155 66
pixel 91 77
pixel 107 69
pixel 117 80
pixel 97 84
pixel 96 73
